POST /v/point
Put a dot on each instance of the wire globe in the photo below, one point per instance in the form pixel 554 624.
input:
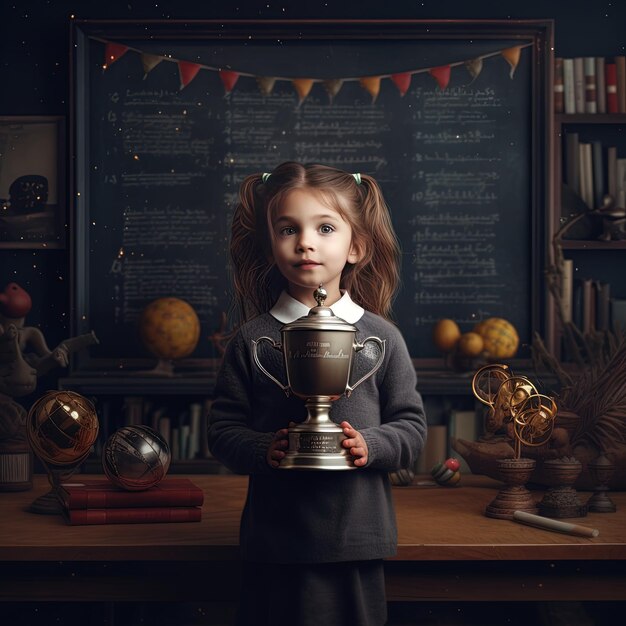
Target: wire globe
pixel 136 458
pixel 61 427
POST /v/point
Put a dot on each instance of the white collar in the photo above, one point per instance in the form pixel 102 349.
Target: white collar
pixel 288 309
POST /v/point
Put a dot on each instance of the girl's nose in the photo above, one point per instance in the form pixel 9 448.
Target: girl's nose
pixel 304 242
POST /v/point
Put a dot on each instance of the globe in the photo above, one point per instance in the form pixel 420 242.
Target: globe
pixel 61 427
pixel 169 328
pixel 136 458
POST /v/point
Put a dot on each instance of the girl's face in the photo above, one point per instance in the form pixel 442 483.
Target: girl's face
pixel 311 244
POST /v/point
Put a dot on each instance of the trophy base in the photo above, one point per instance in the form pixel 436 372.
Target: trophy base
pixel 317 450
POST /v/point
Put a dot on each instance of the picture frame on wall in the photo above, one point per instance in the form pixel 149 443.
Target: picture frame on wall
pixel 32 182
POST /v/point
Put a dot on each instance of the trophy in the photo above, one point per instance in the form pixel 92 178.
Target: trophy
pixel 317 350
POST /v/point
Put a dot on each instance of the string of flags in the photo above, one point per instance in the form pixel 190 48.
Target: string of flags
pixel 188 70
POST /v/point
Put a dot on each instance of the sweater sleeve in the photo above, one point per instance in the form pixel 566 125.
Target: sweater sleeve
pixel 401 436
pixel 231 439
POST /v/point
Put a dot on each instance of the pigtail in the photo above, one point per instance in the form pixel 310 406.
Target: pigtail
pixel 373 281
pixel 256 280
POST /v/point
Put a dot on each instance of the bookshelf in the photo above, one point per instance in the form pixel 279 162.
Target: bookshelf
pixel 592 258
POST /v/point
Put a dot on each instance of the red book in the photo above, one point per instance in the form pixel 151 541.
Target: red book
pixel 611 87
pixel 103 494
pixel 140 515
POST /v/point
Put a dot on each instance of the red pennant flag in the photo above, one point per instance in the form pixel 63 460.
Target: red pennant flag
pixel 441 74
pixel 187 72
pixel 113 52
pixel 402 82
pixel 229 79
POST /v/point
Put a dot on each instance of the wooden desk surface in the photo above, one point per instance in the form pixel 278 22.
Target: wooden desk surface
pixel 435 524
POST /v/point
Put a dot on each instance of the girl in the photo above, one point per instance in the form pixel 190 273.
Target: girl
pixel 312 542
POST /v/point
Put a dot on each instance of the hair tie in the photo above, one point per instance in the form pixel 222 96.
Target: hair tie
pixel 357 177
pixel 265 176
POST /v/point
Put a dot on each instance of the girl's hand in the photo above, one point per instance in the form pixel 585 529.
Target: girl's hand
pixel 355 443
pixel 275 451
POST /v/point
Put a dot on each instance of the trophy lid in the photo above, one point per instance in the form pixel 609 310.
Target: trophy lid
pixel 320 317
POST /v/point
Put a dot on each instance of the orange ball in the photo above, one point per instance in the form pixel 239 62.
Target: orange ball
pixel 446 333
pixel 470 344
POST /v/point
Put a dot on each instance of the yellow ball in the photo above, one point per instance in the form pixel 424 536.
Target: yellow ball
pixel 446 333
pixel 470 344
pixel 499 337
pixel 169 328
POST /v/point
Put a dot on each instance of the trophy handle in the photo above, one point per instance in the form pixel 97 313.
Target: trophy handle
pixel 276 346
pixel 359 346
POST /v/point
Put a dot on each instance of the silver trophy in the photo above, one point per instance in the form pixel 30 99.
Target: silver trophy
pixel 317 351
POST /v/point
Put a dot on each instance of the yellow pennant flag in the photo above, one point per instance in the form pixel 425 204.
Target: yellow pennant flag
pixel 303 86
pixel 266 84
pixel 371 84
pixel 512 57
pixel 474 67
pixel 332 86
pixel 149 62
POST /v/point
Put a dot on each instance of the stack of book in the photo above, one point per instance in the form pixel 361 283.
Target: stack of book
pixel 98 501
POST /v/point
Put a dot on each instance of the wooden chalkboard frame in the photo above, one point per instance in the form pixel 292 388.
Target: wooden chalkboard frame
pixel 538 32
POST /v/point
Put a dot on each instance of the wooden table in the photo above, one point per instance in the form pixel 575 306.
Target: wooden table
pixel 448 550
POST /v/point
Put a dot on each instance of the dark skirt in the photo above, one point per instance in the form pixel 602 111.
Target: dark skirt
pixel 333 594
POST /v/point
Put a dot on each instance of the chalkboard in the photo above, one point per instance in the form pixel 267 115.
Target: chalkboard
pixel 460 160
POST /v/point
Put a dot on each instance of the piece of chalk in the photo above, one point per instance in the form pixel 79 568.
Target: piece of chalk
pixel 548 523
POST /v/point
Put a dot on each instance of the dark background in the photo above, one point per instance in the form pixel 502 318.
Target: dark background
pixel 34 53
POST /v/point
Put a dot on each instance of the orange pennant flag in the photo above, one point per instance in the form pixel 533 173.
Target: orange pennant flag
pixel 229 79
pixel 441 74
pixel 149 62
pixel 266 84
pixel 113 52
pixel 474 67
pixel 402 82
pixel 332 86
pixel 371 84
pixel 303 86
pixel 512 57
pixel 187 72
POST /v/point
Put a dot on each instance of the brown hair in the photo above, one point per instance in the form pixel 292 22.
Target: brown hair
pixel 372 282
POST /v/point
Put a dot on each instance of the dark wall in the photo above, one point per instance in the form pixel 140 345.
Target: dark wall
pixel 34 76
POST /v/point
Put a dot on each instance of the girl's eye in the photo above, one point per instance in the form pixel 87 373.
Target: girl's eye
pixel 288 230
pixel 326 228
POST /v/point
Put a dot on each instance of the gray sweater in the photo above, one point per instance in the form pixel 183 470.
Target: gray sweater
pixel 295 516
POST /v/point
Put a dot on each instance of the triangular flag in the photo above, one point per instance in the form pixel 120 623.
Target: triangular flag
pixel 512 57
pixel 187 72
pixel 149 62
pixel 371 84
pixel 113 52
pixel 474 67
pixel 441 74
pixel 332 86
pixel 266 84
pixel 229 79
pixel 402 82
pixel 303 86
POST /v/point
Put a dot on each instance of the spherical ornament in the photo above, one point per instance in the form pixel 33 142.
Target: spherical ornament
pixel 444 475
pixel 169 328
pixel 136 458
pixel 470 344
pixel 61 427
pixel 499 337
pixel 402 477
pixel 446 333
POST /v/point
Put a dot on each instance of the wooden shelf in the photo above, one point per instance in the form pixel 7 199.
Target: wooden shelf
pixel 581 244
pixel 590 118
pixel 115 384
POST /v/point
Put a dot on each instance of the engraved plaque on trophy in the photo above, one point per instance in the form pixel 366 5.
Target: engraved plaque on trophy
pixel 318 350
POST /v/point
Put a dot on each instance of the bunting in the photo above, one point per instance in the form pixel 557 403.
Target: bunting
pixel 371 84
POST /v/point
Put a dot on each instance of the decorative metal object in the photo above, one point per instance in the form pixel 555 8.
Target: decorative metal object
pixel 601 470
pixel 136 458
pixel 561 500
pixel 61 427
pixel 317 350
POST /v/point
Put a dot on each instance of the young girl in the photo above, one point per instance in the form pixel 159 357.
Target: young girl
pixel 312 542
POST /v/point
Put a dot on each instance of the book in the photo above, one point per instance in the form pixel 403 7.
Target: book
pixel 567 289
pixel 600 85
pixel 620 66
pixel 559 95
pixel 579 84
pixel 589 64
pixel 611 167
pixel 435 450
pixel 572 162
pixel 603 311
pixel 462 425
pixel 598 174
pixel 610 76
pixel 102 494
pixel 569 96
pixel 140 515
